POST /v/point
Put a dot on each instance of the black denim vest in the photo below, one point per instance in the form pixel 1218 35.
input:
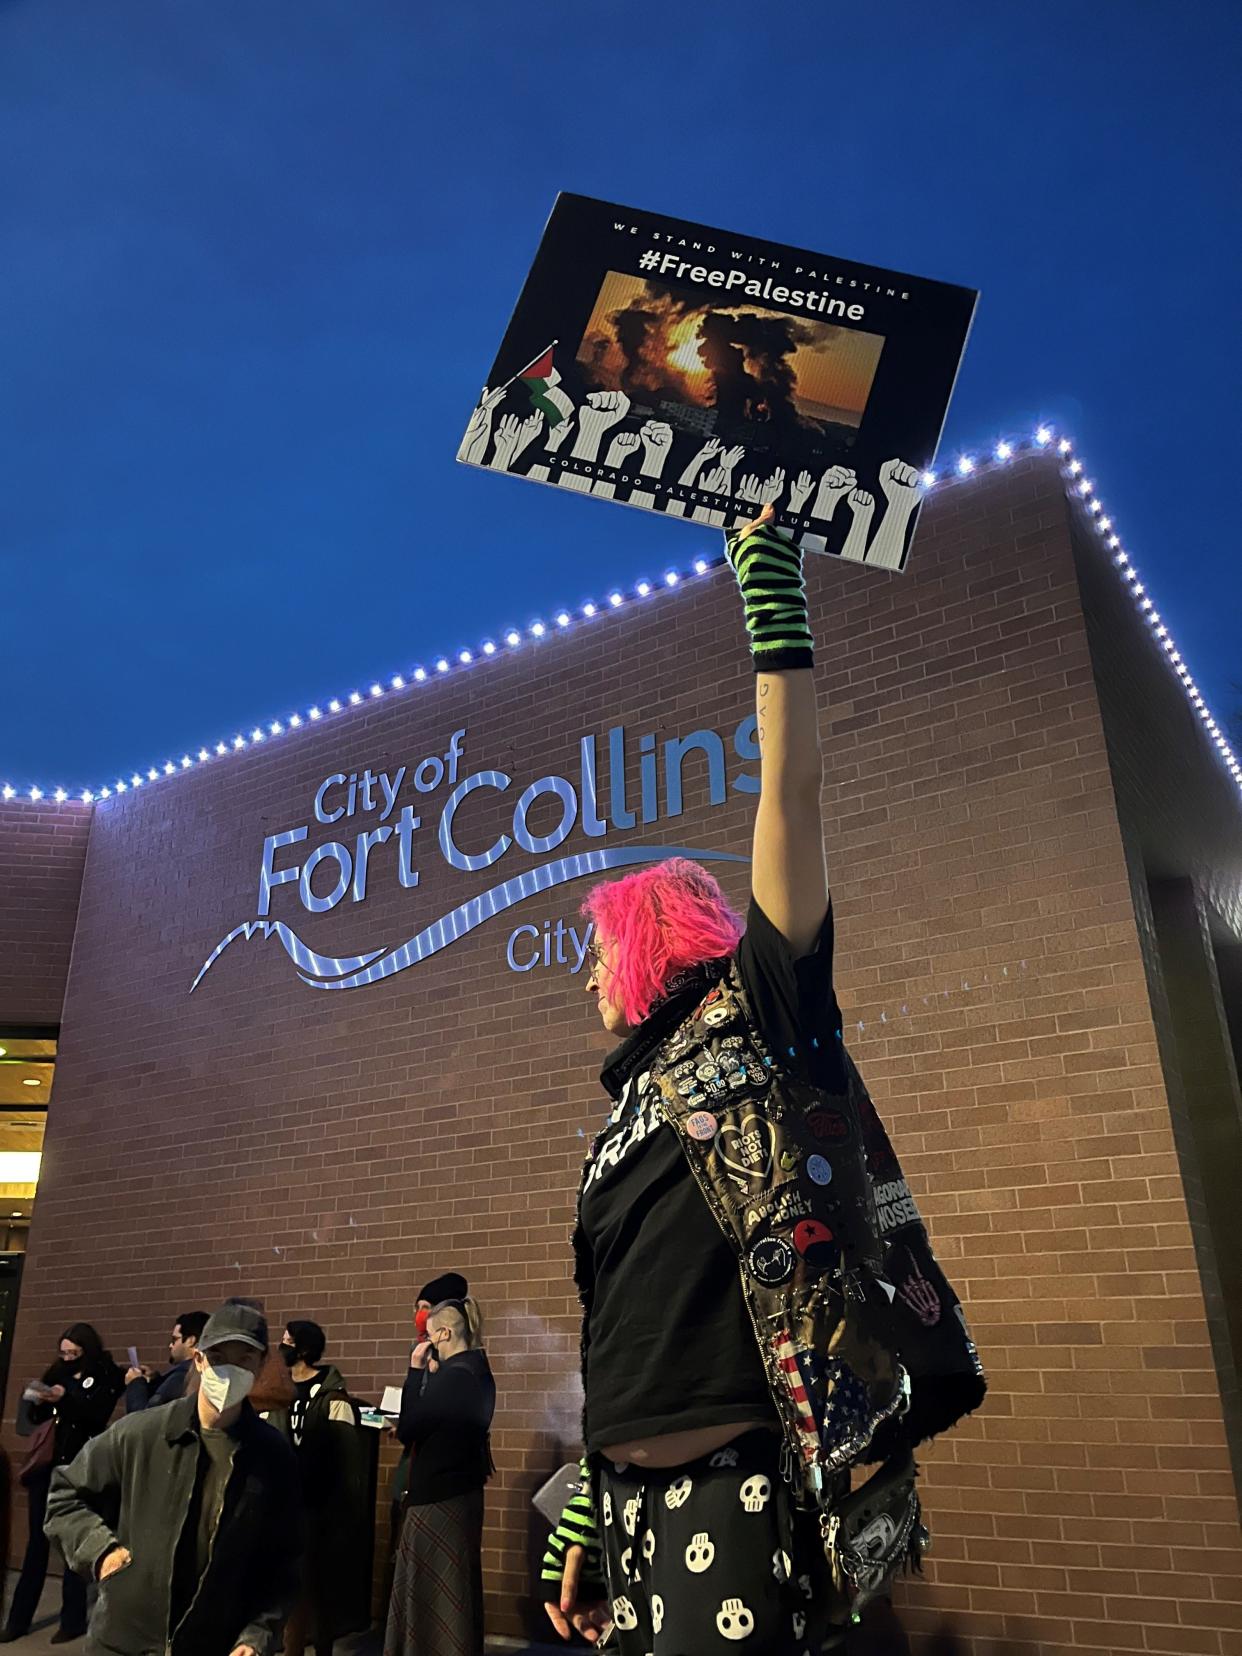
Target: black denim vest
pixel 862 1339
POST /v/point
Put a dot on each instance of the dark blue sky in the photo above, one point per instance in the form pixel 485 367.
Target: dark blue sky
pixel 257 258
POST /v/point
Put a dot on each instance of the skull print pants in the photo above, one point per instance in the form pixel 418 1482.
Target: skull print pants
pixel 710 1558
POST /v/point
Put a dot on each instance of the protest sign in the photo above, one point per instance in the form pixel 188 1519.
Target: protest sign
pixel 700 374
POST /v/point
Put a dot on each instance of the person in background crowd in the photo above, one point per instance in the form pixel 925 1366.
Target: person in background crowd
pixel 762 1307
pixel 326 1430
pixel 437 1596
pixel 274 1387
pixel 78 1394
pixel 188 1515
pixel 145 1390
pixel 451 1286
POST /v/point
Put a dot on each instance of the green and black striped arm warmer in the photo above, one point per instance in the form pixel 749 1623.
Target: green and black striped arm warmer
pixel 578 1528
pixel 768 566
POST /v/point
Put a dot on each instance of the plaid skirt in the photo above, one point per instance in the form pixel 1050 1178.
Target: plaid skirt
pixel 437 1591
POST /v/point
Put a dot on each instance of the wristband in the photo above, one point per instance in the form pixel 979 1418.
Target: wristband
pixel 768 567
pixel 577 1528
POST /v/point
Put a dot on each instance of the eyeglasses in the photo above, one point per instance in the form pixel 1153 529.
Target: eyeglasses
pixel 597 960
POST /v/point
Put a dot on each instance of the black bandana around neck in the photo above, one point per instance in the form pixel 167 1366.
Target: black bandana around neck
pixel 682 994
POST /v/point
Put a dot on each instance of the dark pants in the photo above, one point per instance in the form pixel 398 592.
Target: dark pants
pixel 711 1556
pixel 301 1630
pixel 34 1573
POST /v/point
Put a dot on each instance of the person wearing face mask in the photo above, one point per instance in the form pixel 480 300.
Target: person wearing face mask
pixel 72 1403
pixel 334 1454
pixel 452 1285
pixel 437 1596
pixel 272 1395
pixel 187 1515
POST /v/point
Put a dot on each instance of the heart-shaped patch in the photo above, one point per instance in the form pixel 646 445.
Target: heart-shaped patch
pixel 752 1145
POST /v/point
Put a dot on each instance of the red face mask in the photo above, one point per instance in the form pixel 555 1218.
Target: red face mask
pixel 420 1322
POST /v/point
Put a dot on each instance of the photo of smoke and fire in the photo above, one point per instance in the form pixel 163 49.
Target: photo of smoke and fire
pixel 738 369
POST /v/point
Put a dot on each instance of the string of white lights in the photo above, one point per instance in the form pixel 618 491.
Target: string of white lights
pixel 967 465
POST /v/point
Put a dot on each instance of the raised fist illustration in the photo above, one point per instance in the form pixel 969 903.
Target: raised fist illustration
pixel 836 482
pixel 862 505
pixel 657 440
pixel 800 491
pixel 623 444
pixel 598 414
pixel 900 483
pixel 898 480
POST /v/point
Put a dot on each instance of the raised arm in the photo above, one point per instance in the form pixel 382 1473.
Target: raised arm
pixel 789 877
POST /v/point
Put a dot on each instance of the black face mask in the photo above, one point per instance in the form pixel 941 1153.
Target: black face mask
pixel 290 1355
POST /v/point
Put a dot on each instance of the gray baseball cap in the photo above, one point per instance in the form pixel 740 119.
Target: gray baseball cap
pixel 235 1322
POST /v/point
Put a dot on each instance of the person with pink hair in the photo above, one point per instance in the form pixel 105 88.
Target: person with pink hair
pixel 761 1307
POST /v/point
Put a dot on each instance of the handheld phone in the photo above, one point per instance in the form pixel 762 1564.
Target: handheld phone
pixel 551 1499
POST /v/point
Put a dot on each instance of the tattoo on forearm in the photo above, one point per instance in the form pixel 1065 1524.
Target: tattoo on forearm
pixel 761 711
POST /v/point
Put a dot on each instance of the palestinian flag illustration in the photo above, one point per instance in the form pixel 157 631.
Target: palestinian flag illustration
pixel 541 380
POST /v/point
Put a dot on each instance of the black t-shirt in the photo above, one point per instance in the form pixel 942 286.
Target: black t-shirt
pixel 670 1344
pixel 303 1391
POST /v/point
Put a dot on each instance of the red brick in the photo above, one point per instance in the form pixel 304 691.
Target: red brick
pixel 997 727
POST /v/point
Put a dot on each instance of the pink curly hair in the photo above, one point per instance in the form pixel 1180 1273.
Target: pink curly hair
pixel 661 920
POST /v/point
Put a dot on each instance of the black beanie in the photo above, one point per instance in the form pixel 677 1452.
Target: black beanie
pixel 446 1287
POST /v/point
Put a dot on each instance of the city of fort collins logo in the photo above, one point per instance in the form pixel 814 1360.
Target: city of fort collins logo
pixel 396 817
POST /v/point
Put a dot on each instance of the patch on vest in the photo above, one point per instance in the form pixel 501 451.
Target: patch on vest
pixel 816 1244
pixel 894 1206
pixel 828 1126
pixel 783 1206
pixel 772 1261
pixel 748 1148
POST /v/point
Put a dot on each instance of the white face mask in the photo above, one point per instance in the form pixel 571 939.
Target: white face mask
pixel 225 1385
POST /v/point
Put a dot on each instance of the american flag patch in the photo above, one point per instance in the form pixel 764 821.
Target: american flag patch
pixel 787 1361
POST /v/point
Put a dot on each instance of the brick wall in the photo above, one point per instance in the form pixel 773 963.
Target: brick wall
pixel 1179 818
pixel 42 853
pixel 330 1150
